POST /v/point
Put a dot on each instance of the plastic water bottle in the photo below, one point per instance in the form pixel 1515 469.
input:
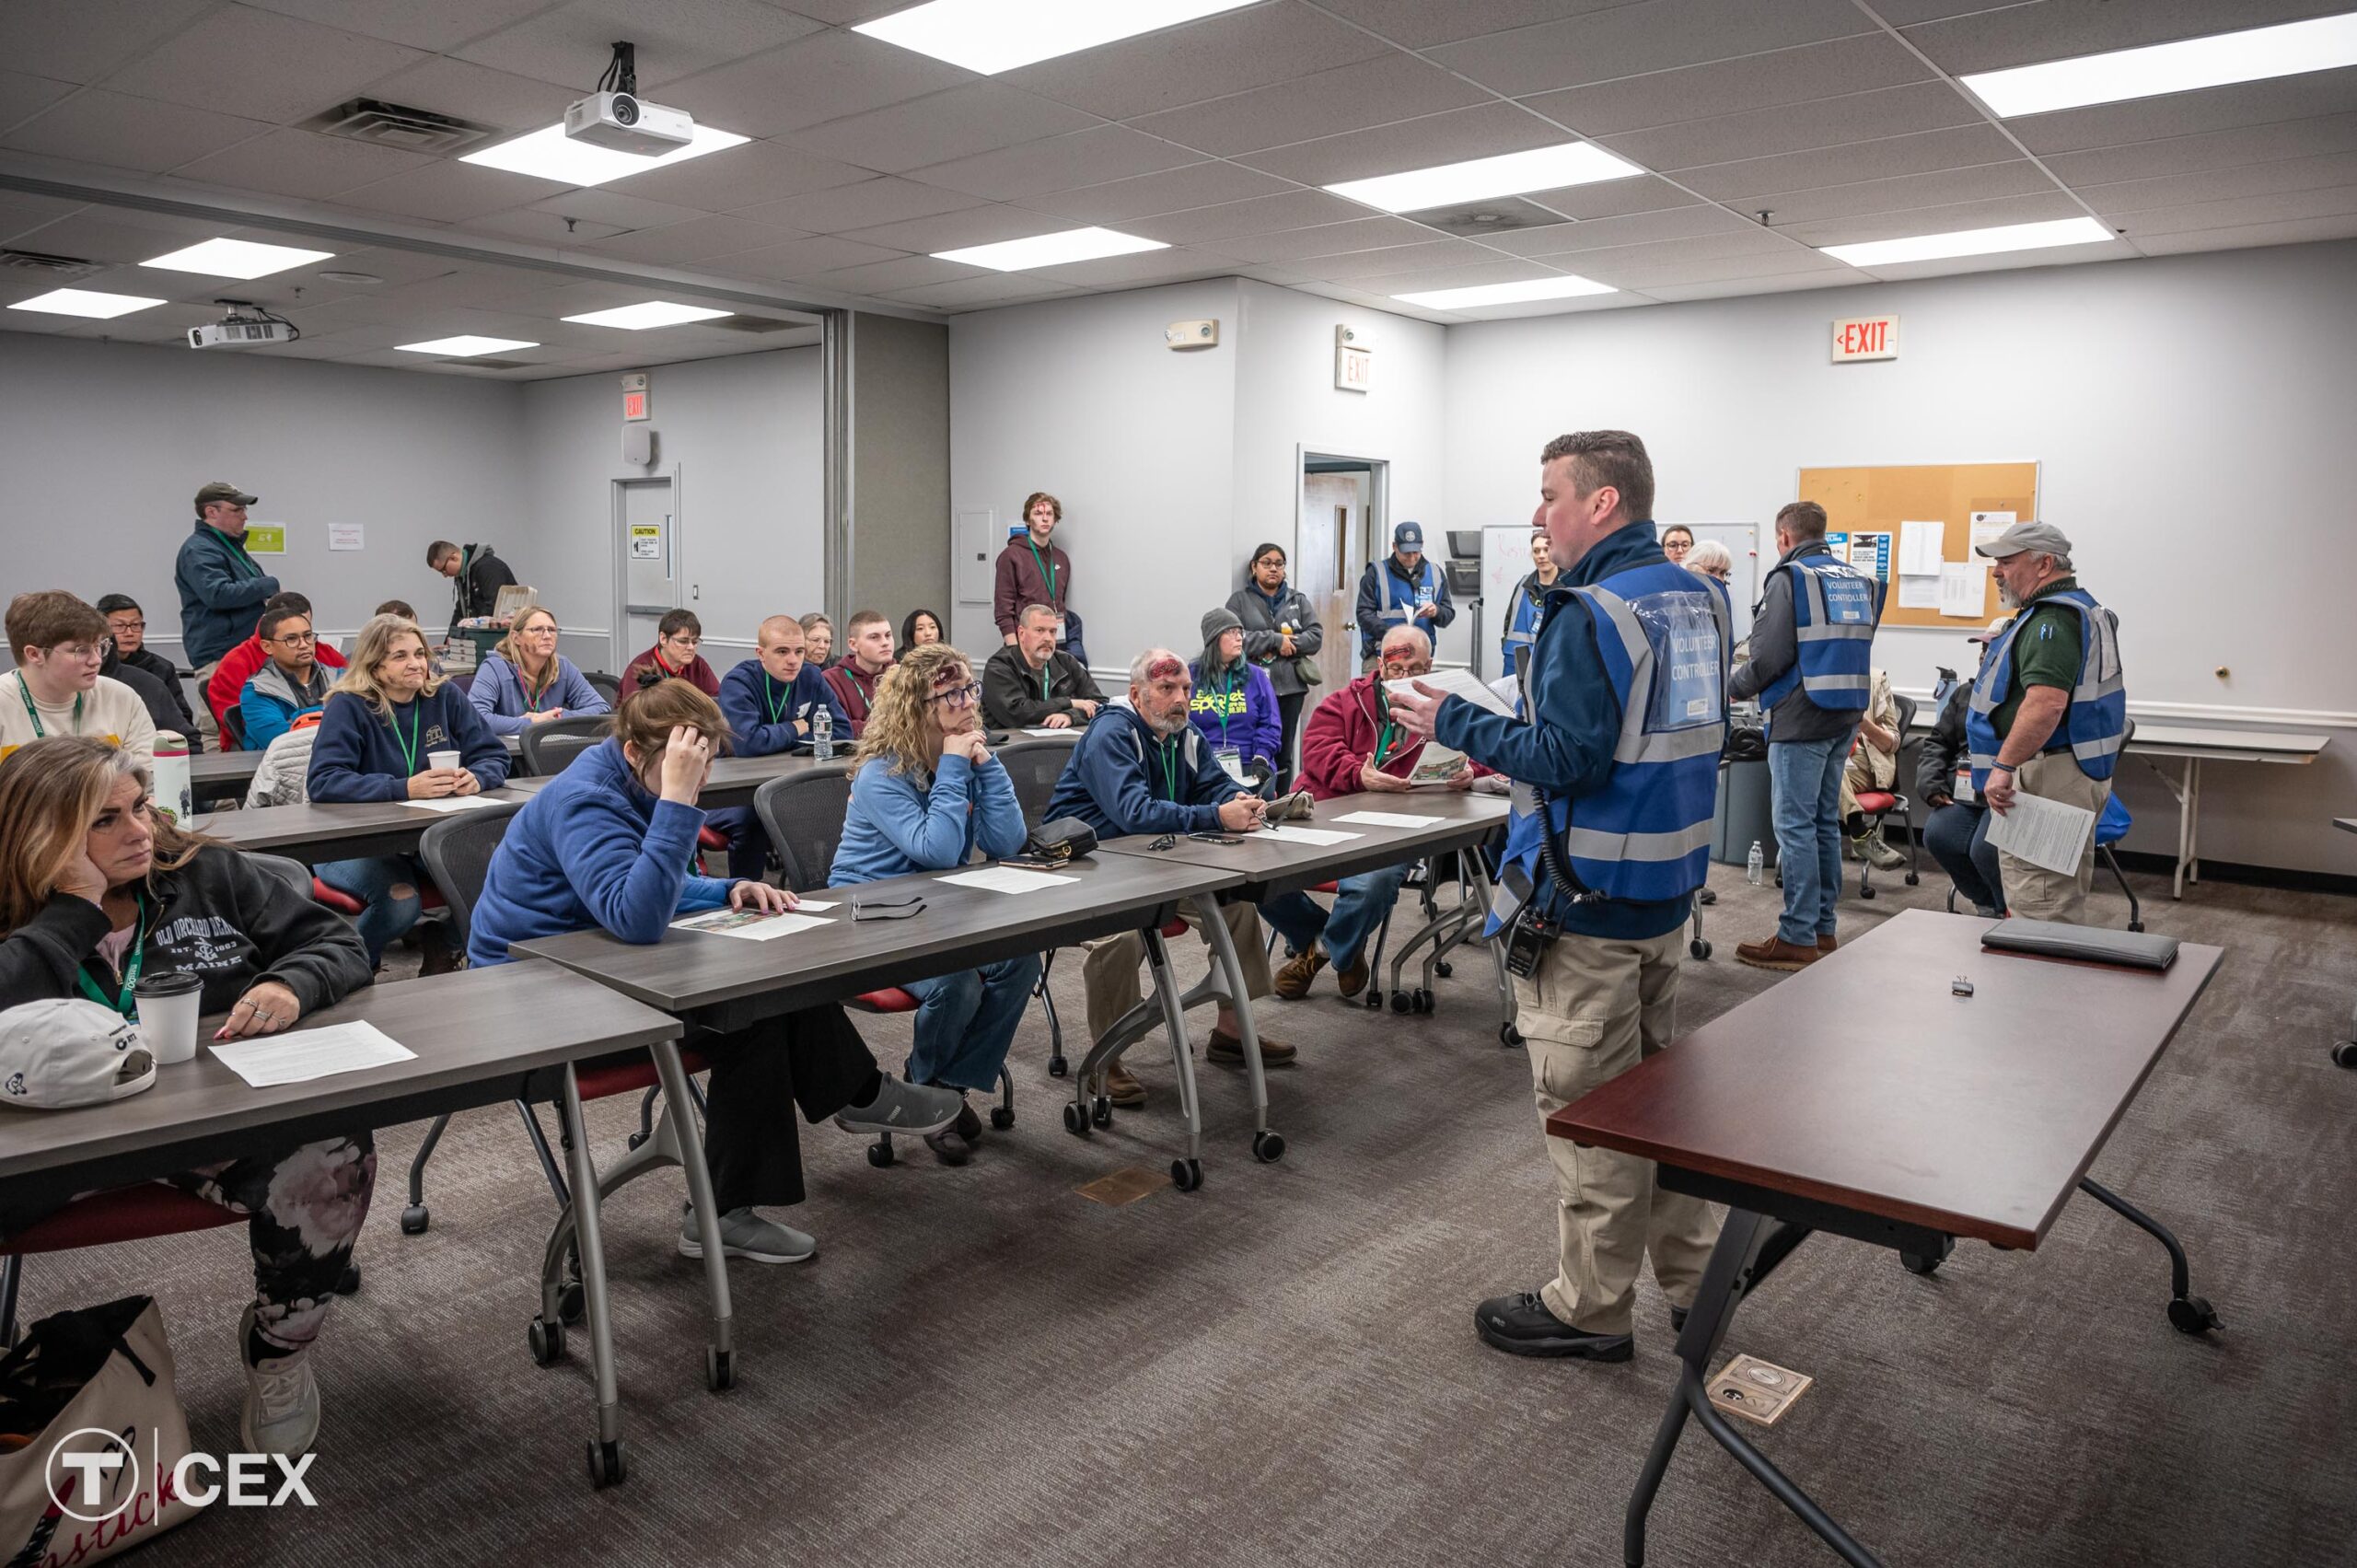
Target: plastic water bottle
pixel 822 732
pixel 172 794
pixel 1755 869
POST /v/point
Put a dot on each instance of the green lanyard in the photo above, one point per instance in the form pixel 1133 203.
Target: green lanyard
pixel 1168 756
pixel 1047 569
pixel 532 697
pixel 1227 688
pixel 129 978
pixel 1383 742
pixel 1047 673
pixel 33 713
pixel 238 556
pixel 408 747
pixel 769 696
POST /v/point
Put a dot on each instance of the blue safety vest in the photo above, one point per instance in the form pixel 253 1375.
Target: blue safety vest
pixel 1524 612
pixel 2096 723
pixel 1665 634
pixel 1391 609
pixel 1834 610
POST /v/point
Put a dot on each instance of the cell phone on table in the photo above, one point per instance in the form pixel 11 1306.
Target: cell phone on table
pixel 1215 838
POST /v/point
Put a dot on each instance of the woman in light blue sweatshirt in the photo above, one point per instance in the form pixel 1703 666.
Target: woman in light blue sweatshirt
pixel 926 795
pixel 526 681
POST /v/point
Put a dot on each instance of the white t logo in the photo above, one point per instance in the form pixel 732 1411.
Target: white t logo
pixel 94 1468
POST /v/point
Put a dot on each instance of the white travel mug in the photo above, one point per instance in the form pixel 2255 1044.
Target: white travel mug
pixel 441 759
pixel 168 1006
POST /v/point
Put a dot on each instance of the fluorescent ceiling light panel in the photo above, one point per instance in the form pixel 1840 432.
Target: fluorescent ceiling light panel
pixel 2324 44
pixel 1509 174
pixel 991 36
pixel 84 302
pixel 238 259
pixel 549 153
pixel 1971 242
pixel 464 346
pixel 1050 249
pixel 1565 287
pixel 654 313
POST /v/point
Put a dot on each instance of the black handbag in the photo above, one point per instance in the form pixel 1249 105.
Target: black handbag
pixel 1065 839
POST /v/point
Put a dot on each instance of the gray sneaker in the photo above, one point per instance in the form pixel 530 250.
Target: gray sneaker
pixel 1882 854
pixel 744 1234
pixel 281 1413
pixel 902 1106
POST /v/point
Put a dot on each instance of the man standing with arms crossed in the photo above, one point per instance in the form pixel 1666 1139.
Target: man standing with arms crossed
pixel 1616 777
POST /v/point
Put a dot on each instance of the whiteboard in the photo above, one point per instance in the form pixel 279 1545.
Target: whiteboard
pixel 1505 562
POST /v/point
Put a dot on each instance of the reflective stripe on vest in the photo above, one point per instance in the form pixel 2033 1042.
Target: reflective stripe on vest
pixel 2096 724
pixel 1394 610
pixel 1834 612
pixel 1665 635
pixel 1522 625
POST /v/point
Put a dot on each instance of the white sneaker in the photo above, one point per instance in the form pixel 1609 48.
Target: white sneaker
pixel 281 1413
pixel 744 1234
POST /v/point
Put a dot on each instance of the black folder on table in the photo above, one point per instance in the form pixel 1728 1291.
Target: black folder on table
pixel 2088 943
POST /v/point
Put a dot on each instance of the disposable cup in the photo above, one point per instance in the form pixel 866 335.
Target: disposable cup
pixel 167 1008
pixel 441 759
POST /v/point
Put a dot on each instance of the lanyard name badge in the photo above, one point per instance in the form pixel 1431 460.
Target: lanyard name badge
pixel 129 978
pixel 1047 565
pixel 408 747
pixel 1229 757
pixel 25 693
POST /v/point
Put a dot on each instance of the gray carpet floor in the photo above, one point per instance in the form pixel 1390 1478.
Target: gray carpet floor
pixel 982 1366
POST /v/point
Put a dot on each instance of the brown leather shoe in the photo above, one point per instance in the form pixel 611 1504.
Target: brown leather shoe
pixel 1227 1050
pixel 1352 980
pixel 1825 941
pixel 1775 953
pixel 1293 980
pixel 1123 1087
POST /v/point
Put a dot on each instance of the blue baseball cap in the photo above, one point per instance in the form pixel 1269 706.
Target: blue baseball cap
pixel 1408 536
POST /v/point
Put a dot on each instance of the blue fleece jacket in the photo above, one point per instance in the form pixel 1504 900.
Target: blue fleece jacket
pixel 899 822
pixel 1124 779
pixel 594 851
pixel 357 757
pixel 221 593
pixel 498 695
pixel 762 713
pixel 1567 752
pixel 1239 710
pixel 268 704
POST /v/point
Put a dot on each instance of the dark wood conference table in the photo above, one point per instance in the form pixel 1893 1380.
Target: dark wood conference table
pixel 219 775
pixel 342 830
pixel 1807 1108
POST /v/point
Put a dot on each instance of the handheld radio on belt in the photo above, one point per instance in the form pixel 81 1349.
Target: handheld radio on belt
pixel 1530 933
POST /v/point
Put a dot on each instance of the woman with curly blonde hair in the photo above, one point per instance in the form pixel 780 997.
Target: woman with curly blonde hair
pixel 926 795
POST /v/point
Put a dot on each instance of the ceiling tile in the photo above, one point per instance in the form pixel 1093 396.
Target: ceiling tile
pixel 861 205
pixel 2063 29
pixel 951 231
pixel 844 13
pixel 744 176
pixel 1635 228
pixel 1497 269
pixel 1748 240
pixel 1730 86
pixel 2206 150
pixel 433 25
pixel 20 213
pixel 976 118
pixel 476 92
pixel 269 67
pixel 968 294
pixel 1259 215
pixel 135 133
pixel 1136 270
pixel 1920 154
pixel 2301 231
pixel 1827 123
pixel 1326 240
pixel 825 76
pixel 1173 190
pixel 1458 135
pixel 1625 269
pixel 1613 198
pixel 446 192
pixel 1729 288
pixel 1417 24
pixel 1629 40
pixel 1055 163
pixel 2007 262
pixel 301 163
pixel 1431 256
pixel 1212 58
pixel 542 228
pixel 571 45
pixel 394 267
pixel 800 258
pixel 2184 114
pixel 695 240
pixel 2034 208
pixel 2221 184
pixel 883 277
pixel 616 210
pixel 2281 206
pixel 100 234
pixel 1371 92
pixel 1945 187
pixel 81 40
pixel 22 96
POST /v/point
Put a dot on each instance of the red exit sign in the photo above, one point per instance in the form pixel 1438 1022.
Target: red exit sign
pixel 1865 337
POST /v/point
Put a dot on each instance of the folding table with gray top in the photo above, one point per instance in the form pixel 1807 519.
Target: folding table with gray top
pixel 337 831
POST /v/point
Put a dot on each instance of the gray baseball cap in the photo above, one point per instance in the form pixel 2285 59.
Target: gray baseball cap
pixel 2045 539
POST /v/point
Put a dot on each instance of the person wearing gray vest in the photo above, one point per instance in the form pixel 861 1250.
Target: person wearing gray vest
pixel 1811 666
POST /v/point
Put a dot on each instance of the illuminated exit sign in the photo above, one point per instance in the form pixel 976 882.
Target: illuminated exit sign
pixel 1865 337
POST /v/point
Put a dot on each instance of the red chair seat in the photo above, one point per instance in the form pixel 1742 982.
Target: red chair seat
pixel 1175 927
pixel 1874 802
pixel 630 1074
pixel 710 839
pixel 341 902
pixel 120 1214
pixel 891 999
pixel 1327 887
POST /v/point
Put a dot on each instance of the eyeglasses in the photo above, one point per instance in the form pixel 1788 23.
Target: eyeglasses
pixel 540 631
pixel 126 625
pixel 296 639
pixel 960 696
pixel 77 651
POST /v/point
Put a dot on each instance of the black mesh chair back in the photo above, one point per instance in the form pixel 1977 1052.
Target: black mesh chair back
pixel 457 852
pixel 803 814
pixel 610 687
pixel 548 747
pixel 1034 766
pixel 1906 705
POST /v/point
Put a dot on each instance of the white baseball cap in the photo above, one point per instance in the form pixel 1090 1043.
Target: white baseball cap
pixel 65 1051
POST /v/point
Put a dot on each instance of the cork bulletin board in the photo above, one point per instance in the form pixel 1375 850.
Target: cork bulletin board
pixel 1879 499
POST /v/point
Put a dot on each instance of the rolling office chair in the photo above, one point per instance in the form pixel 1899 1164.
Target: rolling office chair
pixel 610 687
pixel 1876 805
pixel 1034 766
pixel 803 814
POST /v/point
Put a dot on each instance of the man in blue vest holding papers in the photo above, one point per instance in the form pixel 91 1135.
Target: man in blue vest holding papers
pixel 1616 774
pixel 1812 668
pixel 1401 589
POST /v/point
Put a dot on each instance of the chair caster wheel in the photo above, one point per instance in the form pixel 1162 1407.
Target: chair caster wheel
pixel 879 1154
pixel 1443 969
pixel 1509 1037
pixel 1700 949
pixel 2192 1315
pixel 1075 1120
pixel 605 1464
pixel 1423 1000
pixel 1401 1002
pixel 1917 1263
pixel 635 1139
pixel 1268 1146
pixel 1002 1117
pixel 415 1219
pixel 1186 1175
pixel 1865 892
pixel 2344 1053
pixel 1913 880
pixel 350 1283
pixel 2136 925
pixel 547 1341
pixel 1058 1066
pixel 1373 996
pixel 719 1369
pixel 1706 896
pixel 1100 1111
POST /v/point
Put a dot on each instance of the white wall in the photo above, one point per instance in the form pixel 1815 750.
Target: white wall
pixel 2191 416
pixel 105 443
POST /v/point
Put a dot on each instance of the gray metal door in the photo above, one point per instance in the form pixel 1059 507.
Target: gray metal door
pixel 650 559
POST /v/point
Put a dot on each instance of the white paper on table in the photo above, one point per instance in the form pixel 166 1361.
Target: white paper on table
pixel 1290 834
pixel 807 905
pixel 1457 683
pixel 2049 833
pixel 1390 819
pixel 754 925
pixel 1046 733
pixel 1987 525
pixel 1921 546
pixel 1919 593
pixel 301 1055
pixel 1964 588
pixel 1007 880
pixel 455 803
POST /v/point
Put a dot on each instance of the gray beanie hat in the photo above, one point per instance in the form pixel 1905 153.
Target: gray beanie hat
pixel 1218 620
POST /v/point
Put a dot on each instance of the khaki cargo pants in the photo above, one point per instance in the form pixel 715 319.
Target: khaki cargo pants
pixel 2032 892
pixel 1109 972
pixel 1597 1007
